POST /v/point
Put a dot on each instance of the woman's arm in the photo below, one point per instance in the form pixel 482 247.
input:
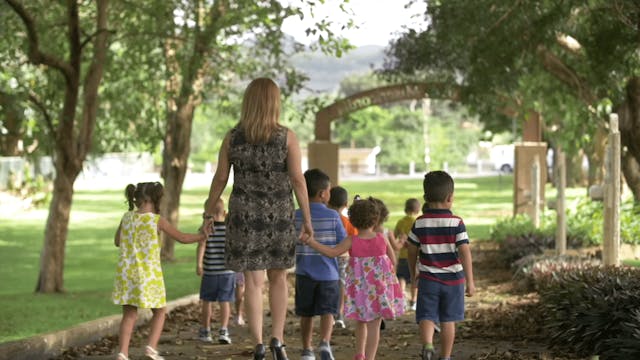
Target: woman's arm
pixel 184 238
pixel 116 238
pixel 218 183
pixel 200 257
pixel 329 251
pixel 298 183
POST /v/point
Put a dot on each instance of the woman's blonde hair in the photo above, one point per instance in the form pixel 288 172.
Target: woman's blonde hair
pixel 260 110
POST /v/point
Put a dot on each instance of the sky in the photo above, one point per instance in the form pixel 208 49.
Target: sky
pixel 378 20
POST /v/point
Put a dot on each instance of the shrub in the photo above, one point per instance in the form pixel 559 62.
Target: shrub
pixel 593 310
pixel 518 237
pixel 530 272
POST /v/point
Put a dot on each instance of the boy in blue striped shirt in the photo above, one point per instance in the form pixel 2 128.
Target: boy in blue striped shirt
pixel 217 284
pixel 317 277
pixel 444 264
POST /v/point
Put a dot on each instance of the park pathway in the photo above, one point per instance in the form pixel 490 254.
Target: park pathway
pixel 500 325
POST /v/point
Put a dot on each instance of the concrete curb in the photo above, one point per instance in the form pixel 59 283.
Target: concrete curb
pixel 52 344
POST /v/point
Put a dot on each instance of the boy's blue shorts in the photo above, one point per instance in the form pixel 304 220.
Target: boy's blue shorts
pixel 438 302
pixel 219 288
pixel 402 270
pixel 315 297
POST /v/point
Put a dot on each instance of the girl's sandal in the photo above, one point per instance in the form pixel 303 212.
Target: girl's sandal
pixel 152 353
pixel 359 357
pixel 122 356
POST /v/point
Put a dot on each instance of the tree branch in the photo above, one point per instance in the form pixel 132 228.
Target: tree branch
pixel 36 56
pixel 556 67
pixel 33 97
pixel 93 79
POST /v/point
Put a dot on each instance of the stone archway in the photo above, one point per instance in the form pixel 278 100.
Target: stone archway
pixel 323 154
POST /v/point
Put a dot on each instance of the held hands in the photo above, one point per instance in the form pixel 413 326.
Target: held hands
pixel 306 233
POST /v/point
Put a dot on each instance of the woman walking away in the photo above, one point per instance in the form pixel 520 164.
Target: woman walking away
pixel 260 228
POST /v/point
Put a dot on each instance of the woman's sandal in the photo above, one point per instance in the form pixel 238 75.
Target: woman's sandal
pixel 277 350
pixel 259 353
pixel 152 353
pixel 122 356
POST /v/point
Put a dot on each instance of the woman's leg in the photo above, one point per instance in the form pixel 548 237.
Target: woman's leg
pixel 278 301
pixel 254 282
pixel 129 316
pixel 157 322
pixel 373 337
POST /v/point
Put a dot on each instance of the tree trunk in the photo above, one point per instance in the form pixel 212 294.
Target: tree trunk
pixel 629 117
pixel 595 155
pixel 175 158
pixel 575 173
pixel 12 122
pixel 73 134
pixel 50 278
pixel 631 169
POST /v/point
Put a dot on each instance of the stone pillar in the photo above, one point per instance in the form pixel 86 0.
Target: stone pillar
pixel 611 230
pixel 525 153
pixel 324 156
pixel 560 175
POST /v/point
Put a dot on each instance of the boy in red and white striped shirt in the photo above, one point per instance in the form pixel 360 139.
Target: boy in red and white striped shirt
pixel 441 249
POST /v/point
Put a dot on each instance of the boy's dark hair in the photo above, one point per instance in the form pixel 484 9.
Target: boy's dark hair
pixel 364 214
pixel 339 197
pixel 146 191
pixel 412 206
pixel 437 185
pixel 316 181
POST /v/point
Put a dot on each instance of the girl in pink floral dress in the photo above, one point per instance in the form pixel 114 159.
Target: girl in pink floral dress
pixel 372 289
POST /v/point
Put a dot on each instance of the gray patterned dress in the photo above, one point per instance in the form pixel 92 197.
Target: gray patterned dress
pixel 260 229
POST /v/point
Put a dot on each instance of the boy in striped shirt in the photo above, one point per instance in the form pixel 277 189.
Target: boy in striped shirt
pixel 441 248
pixel 218 283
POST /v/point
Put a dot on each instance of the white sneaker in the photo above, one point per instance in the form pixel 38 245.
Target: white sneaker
pixel 223 336
pixel 204 335
pixel 307 354
pixel 339 324
pixel 325 351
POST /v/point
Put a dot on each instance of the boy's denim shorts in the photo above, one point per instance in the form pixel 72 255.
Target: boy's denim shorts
pixel 438 302
pixel 315 297
pixel 402 270
pixel 219 288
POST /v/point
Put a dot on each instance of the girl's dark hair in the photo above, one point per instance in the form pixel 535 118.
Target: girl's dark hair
pixel 382 210
pixel 364 214
pixel 146 191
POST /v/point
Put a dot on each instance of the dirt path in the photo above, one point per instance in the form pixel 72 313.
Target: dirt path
pixel 501 324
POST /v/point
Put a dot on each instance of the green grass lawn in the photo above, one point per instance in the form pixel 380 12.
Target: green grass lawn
pixel 91 256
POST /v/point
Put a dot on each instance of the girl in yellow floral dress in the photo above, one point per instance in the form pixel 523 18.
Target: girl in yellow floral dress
pixel 139 282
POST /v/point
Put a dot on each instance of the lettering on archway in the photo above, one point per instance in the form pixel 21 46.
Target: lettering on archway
pixel 377 96
pixel 323 154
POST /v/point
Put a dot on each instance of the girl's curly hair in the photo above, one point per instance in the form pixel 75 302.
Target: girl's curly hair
pixel 364 214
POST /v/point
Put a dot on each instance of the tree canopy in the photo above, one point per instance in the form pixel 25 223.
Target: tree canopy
pixel 571 61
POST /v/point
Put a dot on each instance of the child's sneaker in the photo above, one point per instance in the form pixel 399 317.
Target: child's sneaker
pixel 427 353
pixel 325 351
pixel 339 323
pixel 223 336
pixel 204 335
pixel 307 354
